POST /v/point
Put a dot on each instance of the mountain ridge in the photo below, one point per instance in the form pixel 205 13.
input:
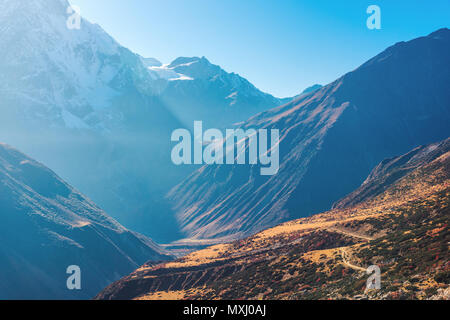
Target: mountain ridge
pixel 211 94
pixel 330 140
pixel 391 170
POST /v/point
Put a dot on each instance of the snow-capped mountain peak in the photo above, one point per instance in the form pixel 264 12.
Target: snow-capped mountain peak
pixel 62 76
pixel 164 71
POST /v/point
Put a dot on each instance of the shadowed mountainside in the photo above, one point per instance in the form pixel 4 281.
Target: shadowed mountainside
pixel 330 139
pixel 46 226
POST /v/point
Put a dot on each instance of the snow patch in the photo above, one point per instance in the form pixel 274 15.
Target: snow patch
pixel 168 73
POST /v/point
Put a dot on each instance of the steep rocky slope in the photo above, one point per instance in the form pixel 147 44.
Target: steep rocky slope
pixel 403 230
pixel 46 226
pixel 330 139
pixel 391 170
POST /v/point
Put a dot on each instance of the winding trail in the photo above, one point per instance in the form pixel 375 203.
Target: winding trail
pixel 347 263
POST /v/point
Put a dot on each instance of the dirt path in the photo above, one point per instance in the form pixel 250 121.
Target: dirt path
pixel 350 234
pixel 347 263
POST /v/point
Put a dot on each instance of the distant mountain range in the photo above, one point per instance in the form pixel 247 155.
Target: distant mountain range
pixel 330 139
pixel 47 226
pixel 88 108
pixel 210 94
pixel 401 226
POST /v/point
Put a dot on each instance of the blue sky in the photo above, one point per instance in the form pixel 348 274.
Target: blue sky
pixel 280 46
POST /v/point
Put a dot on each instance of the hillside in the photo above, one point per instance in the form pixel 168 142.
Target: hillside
pixel 330 140
pixel 403 229
pixel 46 226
